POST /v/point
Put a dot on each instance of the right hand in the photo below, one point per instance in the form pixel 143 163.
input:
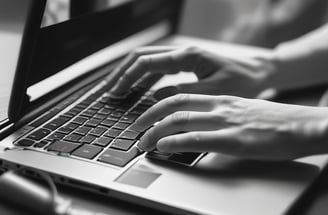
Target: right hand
pixel 217 75
pixel 246 128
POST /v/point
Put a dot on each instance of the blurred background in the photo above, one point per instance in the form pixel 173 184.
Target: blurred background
pixel 254 22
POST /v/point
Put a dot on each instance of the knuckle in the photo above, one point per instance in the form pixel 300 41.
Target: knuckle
pixel 224 99
pixel 194 54
pixel 143 61
pixel 134 54
pixel 193 50
pixel 138 51
pixel 180 118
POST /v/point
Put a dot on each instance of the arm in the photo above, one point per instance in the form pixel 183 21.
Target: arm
pixel 301 62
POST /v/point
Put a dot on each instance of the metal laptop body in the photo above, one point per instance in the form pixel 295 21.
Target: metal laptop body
pixel 211 184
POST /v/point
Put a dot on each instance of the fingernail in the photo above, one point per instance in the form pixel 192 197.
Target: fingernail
pixel 143 143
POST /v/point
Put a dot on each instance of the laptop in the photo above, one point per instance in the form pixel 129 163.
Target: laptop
pixel 57 115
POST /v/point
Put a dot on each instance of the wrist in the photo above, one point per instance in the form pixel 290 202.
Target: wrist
pixel 316 133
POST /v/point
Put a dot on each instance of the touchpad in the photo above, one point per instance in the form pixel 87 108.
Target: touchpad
pixel 139 176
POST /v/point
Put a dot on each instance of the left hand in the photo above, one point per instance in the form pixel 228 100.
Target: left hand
pixel 247 128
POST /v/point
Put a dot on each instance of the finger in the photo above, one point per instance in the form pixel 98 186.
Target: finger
pixel 156 63
pixel 206 87
pixel 165 63
pixel 133 56
pixel 222 141
pixel 180 102
pixel 178 122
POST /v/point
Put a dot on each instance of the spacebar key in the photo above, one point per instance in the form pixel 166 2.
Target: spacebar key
pixel 118 158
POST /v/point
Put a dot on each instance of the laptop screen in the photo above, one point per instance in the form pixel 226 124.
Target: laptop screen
pixel 77 37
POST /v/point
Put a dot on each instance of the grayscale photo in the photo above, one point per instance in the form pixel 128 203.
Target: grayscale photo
pixel 166 107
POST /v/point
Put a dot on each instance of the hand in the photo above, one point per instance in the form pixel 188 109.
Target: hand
pixel 247 128
pixel 217 75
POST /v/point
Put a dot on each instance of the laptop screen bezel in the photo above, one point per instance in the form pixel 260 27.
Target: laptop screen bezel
pixel 18 92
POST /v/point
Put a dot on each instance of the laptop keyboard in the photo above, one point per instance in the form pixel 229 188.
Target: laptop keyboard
pixel 100 128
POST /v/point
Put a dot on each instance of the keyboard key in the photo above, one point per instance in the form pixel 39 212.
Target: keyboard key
pixel 108 123
pixel 74 111
pixel 93 122
pixel 133 127
pixel 43 119
pixel 56 123
pixel 186 158
pixel 110 107
pixel 113 133
pixel 130 135
pixel 138 111
pixel 98 131
pixel 89 113
pixel 68 128
pixel 81 106
pixel 103 141
pixel 113 119
pixel 56 136
pixel 122 144
pixel 72 126
pixel 42 143
pixel 97 106
pixel 142 107
pixel 87 139
pixel 116 114
pixel 148 102
pixel 105 111
pixel 73 137
pixel 88 100
pixel 65 130
pixel 121 125
pixel 118 158
pixel 63 146
pixel 25 142
pixel 80 120
pixel 100 116
pixel 158 155
pixel 39 134
pixel 87 151
pixel 129 118
pixel 83 130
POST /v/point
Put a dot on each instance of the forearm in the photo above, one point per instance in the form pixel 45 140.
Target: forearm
pixel 301 62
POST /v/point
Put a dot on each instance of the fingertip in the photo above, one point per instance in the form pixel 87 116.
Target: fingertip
pixel 164 146
pixel 116 93
pixel 145 143
pixel 141 146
